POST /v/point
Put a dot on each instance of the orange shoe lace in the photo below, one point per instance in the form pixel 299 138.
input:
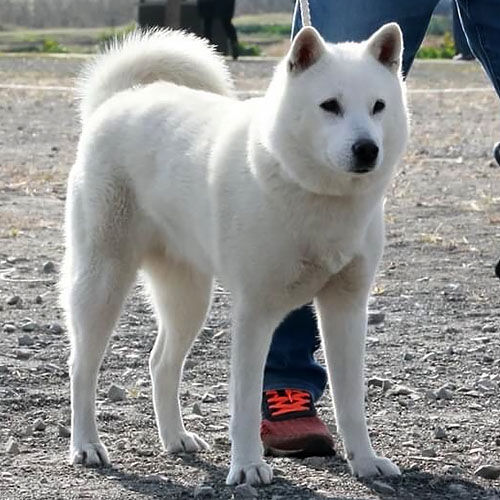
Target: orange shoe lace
pixel 294 400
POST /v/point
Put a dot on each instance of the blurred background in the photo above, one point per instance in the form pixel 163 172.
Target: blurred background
pixel 82 26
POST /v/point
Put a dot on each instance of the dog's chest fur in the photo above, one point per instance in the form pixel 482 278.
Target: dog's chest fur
pixel 322 248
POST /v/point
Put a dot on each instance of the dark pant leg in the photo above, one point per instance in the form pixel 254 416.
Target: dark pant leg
pixel 290 363
pixel 481 22
pixel 461 43
pixel 207 28
pixel 229 29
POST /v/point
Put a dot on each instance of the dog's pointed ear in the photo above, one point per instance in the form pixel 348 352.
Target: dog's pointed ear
pixel 307 48
pixel 386 46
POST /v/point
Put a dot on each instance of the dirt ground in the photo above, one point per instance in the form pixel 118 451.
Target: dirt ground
pixel 439 345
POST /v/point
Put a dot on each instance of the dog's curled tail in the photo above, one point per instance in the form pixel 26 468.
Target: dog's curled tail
pixel 144 57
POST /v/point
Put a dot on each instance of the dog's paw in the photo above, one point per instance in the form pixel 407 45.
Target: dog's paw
pixel 373 466
pixel 186 442
pixel 254 474
pixel 89 454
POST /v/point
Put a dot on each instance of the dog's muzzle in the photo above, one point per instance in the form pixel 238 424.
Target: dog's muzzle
pixel 365 153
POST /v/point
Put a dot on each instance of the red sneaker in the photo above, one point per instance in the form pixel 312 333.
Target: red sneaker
pixel 290 426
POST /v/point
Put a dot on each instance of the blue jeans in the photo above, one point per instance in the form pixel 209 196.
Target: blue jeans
pixel 290 362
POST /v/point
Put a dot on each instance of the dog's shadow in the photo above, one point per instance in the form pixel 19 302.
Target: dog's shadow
pixel 413 484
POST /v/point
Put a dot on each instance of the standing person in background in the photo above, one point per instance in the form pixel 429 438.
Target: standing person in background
pixel 223 10
pixel 293 380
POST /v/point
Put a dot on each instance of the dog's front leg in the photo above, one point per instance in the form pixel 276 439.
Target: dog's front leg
pixel 252 332
pixel 342 308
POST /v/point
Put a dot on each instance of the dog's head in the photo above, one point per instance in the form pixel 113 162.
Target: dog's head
pixel 336 114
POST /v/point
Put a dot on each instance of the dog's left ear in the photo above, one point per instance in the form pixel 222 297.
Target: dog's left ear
pixel 386 46
pixel 307 48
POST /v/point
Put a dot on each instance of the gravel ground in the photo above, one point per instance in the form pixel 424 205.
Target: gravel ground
pixel 436 414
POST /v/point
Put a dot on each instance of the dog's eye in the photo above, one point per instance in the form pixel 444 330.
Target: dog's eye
pixel 378 106
pixel 332 106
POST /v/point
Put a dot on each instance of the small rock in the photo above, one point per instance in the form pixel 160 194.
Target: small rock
pixel 12 301
pixel 189 363
pixel 429 452
pixel 39 425
pixel 384 383
pixel 49 267
pixel 22 354
pixel 245 491
pixel 9 328
pixel 63 431
pixel 488 471
pixel 489 328
pixel 487 385
pixel 55 328
pixel 196 409
pixel 192 417
pixel 38 299
pixel 430 356
pixel 430 395
pixel 439 433
pixel 208 398
pixel 314 461
pixel 116 393
pixel 12 447
pixel 29 326
pixel 408 356
pixel 376 317
pixel 25 341
pixel 204 492
pixel 400 390
pixel 444 393
pixel 26 431
pixel 383 488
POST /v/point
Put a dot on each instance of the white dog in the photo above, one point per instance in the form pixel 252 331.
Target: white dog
pixel 280 197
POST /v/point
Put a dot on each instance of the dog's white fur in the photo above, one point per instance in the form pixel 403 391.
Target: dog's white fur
pixel 176 177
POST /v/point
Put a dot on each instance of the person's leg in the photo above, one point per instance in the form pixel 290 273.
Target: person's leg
pixel 481 23
pixel 231 34
pixel 225 12
pixel 341 21
pixel 207 28
pixel 293 380
pixel 291 363
pixel 462 48
pixel 206 12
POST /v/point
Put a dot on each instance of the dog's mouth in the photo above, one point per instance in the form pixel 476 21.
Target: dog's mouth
pixel 362 170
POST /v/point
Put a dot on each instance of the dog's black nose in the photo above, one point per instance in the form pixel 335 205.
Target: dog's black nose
pixel 365 152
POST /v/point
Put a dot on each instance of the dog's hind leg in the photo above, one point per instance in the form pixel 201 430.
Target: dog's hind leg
pixel 181 296
pixel 99 267
pixel 94 299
